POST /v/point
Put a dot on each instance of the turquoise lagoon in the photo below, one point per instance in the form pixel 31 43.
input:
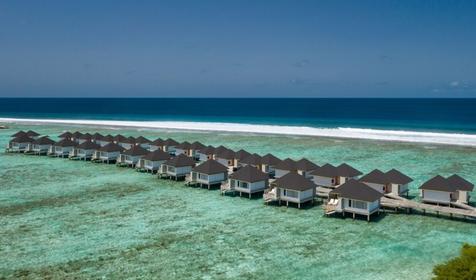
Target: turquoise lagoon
pixel 65 219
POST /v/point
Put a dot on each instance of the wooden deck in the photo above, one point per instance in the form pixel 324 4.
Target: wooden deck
pixel 394 201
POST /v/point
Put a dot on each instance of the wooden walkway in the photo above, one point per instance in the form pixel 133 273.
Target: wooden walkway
pixel 394 201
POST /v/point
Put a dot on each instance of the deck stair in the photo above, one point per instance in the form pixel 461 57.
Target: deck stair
pixel 331 206
pixel 270 195
pixel 226 187
pixel 394 201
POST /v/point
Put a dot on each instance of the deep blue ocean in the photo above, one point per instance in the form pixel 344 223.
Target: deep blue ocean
pixel 449 115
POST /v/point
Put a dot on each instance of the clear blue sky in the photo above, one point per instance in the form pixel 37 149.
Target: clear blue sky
pixel 238 48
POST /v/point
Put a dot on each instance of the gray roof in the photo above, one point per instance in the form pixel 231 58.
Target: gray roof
pixel 438 183
pixel 111 147
pixel 343 170
pixel 19 133
pixel 32 133
pixel 157 155
pixel 158 142
pixel 170 142
pixel 305 165
pixel 180 161
pixel 210 167
pixel 76 134
pixel 241 154
pixel 391 177
pixel 136 151
pixel 249 174
pixel 397 177
pixel 142 140
pixel 375 176
pixel 108 138
pixel 253 159
pixel 119 138
pixel 220 149
pixel 197 145
pixel 86 136
pixel 460 183
pixel 22 139
pixel 294 181
pixel 66 134
pixel 269 159
pixel 209 150
pixel 44 141
pixel 287 164
pixel 226 154
pixel 66 143
pixel 354 189
pixel 327 170
pixel 346 170
pixel 88 145
pixel 184 145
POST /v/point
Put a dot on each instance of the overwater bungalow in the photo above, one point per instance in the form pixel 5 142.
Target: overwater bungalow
pixel 445 191
pixel 195 147
pixel 253 160
pixel 152 161
pixel 295 188
pixel 84 151
pixel 354 197
pixel 20 143
pixel 183 149
pixel 248 180
pixel 393 181
pixel 305 167
pixel 41 146
pixel 65 135
pixel 284 167
pixel 463 187
pixel 208 173
pixel 108 153
pixel 330 176
pixel 177 167
pixel 268 164
pixel 206 153
pixel 239 156
pixel 169 146
pixel 225 157
pixel 143 142
pixel 131 156
pixel 62 148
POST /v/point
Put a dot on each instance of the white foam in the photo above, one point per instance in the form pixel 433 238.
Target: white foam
pixel 341 132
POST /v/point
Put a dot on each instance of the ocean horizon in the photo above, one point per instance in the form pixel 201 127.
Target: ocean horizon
pixel 426 120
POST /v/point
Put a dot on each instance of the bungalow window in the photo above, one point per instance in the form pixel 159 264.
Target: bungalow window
pixel 290 193
pixel 203 176
pixel 358 204
pixel 230 162
pixel 243 185
pixel 170 168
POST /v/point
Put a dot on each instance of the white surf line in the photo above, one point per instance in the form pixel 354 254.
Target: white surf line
pixel 353 133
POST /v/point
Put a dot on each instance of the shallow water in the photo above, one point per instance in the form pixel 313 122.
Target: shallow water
pixel 62 218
